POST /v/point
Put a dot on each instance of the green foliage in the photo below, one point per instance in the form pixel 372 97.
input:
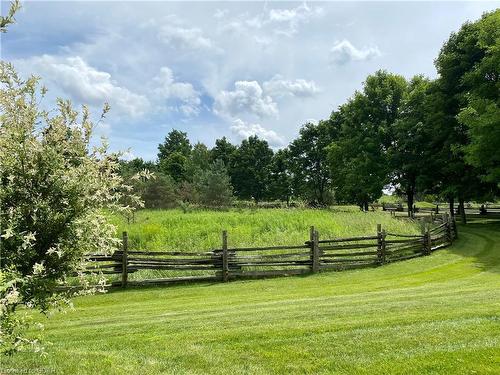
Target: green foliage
pixel 409 153
pixel 308 163
pixel 250 172
pixel 359 158
pixel 175 142
pixel 53 188
pixel 132 167
pixel 213 186
pixel 482 113
pixel 280 178
pixel 224 151
pixel 199 160
pixel 174 165
pixel 9 18
pixel 468 77
pixel 159 192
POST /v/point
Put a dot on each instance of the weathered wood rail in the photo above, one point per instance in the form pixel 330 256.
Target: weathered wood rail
pixel 314 255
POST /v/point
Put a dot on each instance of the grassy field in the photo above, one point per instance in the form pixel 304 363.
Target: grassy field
pixel 434 315
pixel 201 230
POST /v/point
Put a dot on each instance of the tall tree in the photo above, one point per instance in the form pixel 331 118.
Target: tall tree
pixel 482 113
pixel 409 153
pixel 252 161
pixel 224 151
pixel 175 166
pixel 280 177
pixel 175 142
pixel 173 155
pixel 359 158
pixel 213 186
pixel 308 158
pixel 459 56
pixel 198 160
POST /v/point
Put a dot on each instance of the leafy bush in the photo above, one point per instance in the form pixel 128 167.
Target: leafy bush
pixel 53 188
pixel 214 186
pixel 160 192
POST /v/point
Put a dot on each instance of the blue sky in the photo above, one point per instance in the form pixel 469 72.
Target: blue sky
pixel 217 69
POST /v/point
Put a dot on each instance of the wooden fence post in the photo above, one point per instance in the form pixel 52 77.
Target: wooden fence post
pixel 380 244
pixel 313 240
pixel 316 252
pixel 225 260
pixel 428 241
pixel 124 260
pixel 311 243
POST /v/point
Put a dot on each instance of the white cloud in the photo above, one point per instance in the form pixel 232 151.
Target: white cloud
pixel 343 52
pixel 184 92
pixel 244 130
pixel 246 98
pixel 85 84
pixel 279 87
pixel 284 22
pixel 184 38
pixel 294 17
pixel 220 13
pixel 301 13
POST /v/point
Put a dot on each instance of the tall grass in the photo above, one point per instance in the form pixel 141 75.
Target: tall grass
pixel 201 229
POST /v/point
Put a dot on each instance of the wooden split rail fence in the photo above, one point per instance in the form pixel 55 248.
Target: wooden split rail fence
pixel 314 255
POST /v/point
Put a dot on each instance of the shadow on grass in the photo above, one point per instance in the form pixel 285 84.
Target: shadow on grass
pixel 480 239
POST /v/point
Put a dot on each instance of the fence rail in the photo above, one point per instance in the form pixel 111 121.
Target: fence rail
pixel 314 255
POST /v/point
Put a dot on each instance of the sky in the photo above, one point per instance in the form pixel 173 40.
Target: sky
pixel 215 69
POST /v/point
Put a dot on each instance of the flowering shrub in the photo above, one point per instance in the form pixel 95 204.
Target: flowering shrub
pixel 53 189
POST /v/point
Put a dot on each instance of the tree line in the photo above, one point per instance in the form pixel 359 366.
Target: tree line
pixel 437 136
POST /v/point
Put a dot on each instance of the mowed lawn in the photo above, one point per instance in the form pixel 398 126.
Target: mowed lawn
pixel 434 315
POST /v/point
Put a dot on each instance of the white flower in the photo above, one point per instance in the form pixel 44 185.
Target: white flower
pixel 38 269
pixel 8 233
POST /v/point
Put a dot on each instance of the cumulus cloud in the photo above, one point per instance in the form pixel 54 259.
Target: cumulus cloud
pixel 302 13
pixel 246 98
pixel 184 38
pixel 343 52
pixel 279 87
pixel 85 84
pixel 244 130
pixel 280 21
pixel 293 17
pixel 184 92
pixel 220 13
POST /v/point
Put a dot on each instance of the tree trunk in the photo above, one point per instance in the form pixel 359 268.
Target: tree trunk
pixel 366 206
pixel 410 196
pixel 461 206
pixel 452 206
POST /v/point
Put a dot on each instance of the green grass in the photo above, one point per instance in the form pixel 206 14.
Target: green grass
pixel 201 230
pixel 433 315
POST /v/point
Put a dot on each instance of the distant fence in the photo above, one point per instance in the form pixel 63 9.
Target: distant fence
pixel 472 210
pixel 314 255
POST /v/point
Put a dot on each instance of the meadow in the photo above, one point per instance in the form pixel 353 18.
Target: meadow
pixel 438 314
pixel 201 229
